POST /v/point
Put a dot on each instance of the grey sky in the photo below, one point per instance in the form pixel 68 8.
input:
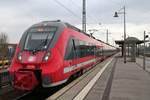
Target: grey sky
pixel 17 15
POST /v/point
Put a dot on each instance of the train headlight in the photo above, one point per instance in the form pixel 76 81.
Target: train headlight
pixel 46 57
pixel 20 56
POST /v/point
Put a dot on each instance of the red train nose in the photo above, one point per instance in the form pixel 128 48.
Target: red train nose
pixel 25 80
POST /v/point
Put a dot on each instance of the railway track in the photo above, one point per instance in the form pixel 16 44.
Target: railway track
pixel 37 94
pixel 21 96
pixel 40 93
pixel 11 94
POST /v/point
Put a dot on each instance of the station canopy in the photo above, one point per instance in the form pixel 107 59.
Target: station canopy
pixel 129 40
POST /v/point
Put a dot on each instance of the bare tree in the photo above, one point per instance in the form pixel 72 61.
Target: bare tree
pixel 3 47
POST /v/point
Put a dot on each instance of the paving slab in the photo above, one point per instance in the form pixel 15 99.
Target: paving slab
pixel 130 82
pixel 98 89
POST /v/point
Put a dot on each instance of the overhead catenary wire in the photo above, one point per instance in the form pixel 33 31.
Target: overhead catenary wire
pixel 91 16
pixel 67 9
pixel 74 14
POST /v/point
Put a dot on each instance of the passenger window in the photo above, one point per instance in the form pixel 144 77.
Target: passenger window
pixel 69 54
pixel 78 49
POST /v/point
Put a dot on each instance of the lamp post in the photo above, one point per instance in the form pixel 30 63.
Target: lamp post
pixel 116 15
pixel 84 16
pixel 107 36
pixel 145 36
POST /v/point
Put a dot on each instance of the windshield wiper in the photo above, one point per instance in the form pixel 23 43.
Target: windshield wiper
pixel 41 44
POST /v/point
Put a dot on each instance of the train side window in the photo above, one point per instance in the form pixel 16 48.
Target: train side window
pixel 80 48
pixel 69 54
pixel 77 46
pixel 99 51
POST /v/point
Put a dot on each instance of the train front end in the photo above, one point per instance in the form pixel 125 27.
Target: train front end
pixel 35 57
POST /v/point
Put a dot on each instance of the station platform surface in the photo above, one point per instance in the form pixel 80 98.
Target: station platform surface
pixel 110 80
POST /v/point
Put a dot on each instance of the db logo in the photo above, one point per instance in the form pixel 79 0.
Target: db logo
pixel 31 58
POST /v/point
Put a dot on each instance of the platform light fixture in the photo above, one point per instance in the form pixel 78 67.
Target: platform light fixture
pixel 145 36
pixel 116 15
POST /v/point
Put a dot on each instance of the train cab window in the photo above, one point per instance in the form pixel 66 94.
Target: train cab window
pixel 39 38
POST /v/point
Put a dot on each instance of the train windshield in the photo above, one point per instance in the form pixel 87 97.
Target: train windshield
pixel 39 38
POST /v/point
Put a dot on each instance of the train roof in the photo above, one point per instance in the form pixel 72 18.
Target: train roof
pixel 61 24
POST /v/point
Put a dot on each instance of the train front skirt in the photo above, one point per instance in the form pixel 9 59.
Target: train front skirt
pixel 25 80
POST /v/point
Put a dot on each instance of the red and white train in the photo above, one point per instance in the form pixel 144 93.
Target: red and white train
pixel 50 52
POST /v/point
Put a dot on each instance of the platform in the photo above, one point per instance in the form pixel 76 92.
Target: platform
pixel 109 80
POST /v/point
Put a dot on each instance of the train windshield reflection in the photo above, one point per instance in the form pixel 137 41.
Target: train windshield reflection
pixel 38 40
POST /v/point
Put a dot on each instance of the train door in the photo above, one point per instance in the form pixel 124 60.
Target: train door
pixel 74 60
pixel 103 54
pixel 70 56
pixel 95 56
